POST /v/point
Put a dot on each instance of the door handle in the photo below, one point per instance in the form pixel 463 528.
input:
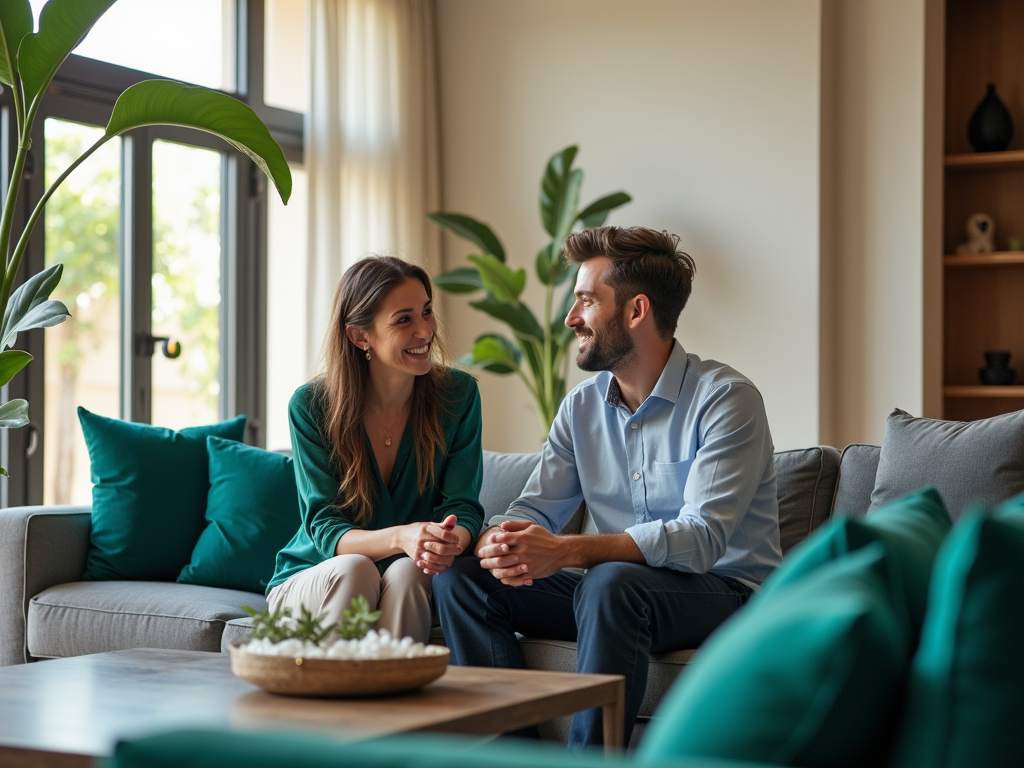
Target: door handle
pixel 145 346
pixel 33 440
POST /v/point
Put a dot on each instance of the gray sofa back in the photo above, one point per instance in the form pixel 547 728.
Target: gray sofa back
pixel 857 469
pixel 810 481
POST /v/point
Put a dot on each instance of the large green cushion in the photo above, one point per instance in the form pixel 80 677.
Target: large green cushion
pixel 965 700
pixel 912 529
pixel 252 510
pixel 212 749
pixel 808 676
pixel 148 496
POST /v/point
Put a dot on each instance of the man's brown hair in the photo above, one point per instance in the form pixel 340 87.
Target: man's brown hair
pixel 643 261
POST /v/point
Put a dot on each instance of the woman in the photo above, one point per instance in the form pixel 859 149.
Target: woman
pixel 387 456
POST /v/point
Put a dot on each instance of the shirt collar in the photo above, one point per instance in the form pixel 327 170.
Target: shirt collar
pixel 669 384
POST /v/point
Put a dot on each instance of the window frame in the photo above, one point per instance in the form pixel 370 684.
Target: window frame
pixel 84 90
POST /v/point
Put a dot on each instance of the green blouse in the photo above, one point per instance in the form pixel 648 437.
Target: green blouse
pixel 456 490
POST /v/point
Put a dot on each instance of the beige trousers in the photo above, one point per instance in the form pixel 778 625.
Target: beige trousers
pixel 402 594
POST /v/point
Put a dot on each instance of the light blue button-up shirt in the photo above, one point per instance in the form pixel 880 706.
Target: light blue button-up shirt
pixel 690 476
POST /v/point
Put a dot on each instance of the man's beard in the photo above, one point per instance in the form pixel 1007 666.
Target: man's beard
pixel 607 349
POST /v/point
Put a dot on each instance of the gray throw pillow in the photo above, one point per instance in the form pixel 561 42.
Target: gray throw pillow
pixel 966 461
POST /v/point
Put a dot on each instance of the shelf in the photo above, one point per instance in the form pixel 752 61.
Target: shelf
pixel 992 161
pixel 999 258
pixel 984 391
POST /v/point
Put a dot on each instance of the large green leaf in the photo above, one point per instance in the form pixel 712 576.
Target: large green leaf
pixel 505 284
pixel 570 206
pixel 595 214
pixel 543 263
pixel 553 188
pixel 519 318
pixel 31 307
pixel 164 102
pixel 15 24
pixel 493 353
pixel 13 414
pixel 461 280
pixel 62 25
pixel 470 229
pixel 12 361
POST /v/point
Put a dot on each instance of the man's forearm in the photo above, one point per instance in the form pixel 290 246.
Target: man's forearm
pixel 586 551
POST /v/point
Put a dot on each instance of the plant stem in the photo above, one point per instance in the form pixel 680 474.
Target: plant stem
pixel 7 222
pixel 19 250
pixel 547 361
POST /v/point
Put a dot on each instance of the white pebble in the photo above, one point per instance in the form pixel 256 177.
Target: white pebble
pixel 375 645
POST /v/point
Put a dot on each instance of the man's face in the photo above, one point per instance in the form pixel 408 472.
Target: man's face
pixel 605 344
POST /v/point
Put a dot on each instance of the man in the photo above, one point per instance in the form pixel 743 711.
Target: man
pixel 673 457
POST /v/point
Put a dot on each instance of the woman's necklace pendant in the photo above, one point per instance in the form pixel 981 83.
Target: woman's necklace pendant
pixel 387 441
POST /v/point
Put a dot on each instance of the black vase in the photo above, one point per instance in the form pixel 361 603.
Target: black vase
pixel 991 126
pixel 996 370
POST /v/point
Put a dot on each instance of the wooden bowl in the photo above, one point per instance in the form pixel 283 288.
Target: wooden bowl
pixel 335 677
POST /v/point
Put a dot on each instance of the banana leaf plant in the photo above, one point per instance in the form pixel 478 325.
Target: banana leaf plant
pixel 29 59
pixel 542 343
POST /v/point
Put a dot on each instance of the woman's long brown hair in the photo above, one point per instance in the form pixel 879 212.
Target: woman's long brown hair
pixel 345 386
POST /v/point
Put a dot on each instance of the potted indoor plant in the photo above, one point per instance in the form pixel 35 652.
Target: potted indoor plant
pixel 541 342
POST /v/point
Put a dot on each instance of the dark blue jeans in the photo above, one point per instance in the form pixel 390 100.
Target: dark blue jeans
pixel 618 614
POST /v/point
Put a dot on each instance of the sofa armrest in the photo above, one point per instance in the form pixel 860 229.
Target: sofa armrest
pixel 39 547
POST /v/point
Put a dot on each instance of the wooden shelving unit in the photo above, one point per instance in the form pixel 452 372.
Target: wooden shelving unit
pixel 953 261
pixel 983 391
pixel 983 294
pixel 986 160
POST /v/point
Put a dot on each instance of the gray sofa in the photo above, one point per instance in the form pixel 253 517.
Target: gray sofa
pixel 46 611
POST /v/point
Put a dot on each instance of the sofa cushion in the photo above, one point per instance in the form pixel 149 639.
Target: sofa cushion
pixel 912 529
pixel 807 483
pixel 966 461
pixel 809 675
pixel 237 630
pixel 252 511
pixel 857 469
pixel 505 476
pixel 148 496
pixel 93 617
pixel 965 704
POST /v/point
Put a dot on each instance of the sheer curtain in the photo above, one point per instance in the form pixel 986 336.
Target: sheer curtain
pixel 372 149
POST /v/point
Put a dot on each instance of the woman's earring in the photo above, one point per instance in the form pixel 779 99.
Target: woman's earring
pixel 367 353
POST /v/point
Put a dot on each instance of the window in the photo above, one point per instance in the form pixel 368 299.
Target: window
pixel 163 237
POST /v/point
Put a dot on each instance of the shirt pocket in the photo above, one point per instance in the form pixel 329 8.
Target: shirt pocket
pixel 665 485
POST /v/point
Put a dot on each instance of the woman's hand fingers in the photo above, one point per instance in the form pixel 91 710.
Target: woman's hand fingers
pixel 440 548
pixel 438 531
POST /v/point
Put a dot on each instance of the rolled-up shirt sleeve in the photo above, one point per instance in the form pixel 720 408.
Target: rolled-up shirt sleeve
pixel 726 471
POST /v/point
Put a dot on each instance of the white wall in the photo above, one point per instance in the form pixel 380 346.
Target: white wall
pixel 705 111
pixel 881 246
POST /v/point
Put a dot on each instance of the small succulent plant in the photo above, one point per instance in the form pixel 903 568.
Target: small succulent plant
pixel 280 625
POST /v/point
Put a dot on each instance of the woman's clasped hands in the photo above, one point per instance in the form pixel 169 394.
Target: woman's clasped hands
pixel 433 546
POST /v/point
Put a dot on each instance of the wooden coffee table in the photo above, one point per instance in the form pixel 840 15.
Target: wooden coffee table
pixel 66 712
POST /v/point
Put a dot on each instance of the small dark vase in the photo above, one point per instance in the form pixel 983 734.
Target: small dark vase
pixel 995 371
pixel 991 126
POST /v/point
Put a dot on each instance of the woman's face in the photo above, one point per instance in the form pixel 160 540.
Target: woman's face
pixel 403 330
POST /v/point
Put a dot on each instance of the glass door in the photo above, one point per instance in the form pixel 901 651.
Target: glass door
pixel 186 285
pixel 162 366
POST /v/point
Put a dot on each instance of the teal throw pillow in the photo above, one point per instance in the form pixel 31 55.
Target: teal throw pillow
pixel 809 676
pixel 912 529
pixel 965 698
pixel 148 496
pixel 252 511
